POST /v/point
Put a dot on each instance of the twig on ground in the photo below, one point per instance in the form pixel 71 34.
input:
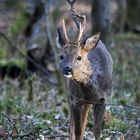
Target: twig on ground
pixel 57 136
pixel 64 124
pixel 128 106
pixel 11 121
pixel 32 133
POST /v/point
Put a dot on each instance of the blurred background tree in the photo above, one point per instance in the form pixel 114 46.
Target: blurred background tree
pixel 108 17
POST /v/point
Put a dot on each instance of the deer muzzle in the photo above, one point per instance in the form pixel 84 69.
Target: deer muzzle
pixel 67 71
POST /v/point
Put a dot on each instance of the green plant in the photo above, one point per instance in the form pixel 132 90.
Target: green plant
pixel 117 125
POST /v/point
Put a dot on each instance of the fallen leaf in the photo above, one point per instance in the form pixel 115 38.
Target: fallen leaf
pixel 107 117
pixel 14 132
pixel 3 132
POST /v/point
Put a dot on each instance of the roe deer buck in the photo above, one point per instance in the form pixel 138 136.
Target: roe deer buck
pixel 87 66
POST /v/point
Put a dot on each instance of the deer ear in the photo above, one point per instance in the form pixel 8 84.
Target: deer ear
pixel 91 42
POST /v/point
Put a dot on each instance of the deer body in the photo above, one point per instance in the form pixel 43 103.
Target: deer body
pixel 88 70
pixel 97 84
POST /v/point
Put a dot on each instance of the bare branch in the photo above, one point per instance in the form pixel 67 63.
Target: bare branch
pixel 11 121
pixel 71 3
pixel 32 133
pixel 80 21
pixel 57 136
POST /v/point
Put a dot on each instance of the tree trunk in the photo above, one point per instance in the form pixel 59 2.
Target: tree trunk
pixel 108 16
pixel 133 19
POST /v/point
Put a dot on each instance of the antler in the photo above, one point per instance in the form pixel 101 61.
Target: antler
pixel 62 34
pixel 80 21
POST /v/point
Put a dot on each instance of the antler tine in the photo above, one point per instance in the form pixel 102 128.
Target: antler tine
pixel 81 28
pixel 63 38
pixel 64 29
pixel 80 21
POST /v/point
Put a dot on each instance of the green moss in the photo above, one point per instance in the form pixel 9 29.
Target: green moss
pixel 117 125
pixel 2 53
pixel 1 106
pixel 18 62
pixel 127 36
pixel 3 48
pixel 19 24
pixel 49 116
pixel 18 4
pixel 123 102
pixel 66 111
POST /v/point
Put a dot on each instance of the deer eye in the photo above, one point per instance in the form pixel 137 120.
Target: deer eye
pixel 79 58
pixel 61 57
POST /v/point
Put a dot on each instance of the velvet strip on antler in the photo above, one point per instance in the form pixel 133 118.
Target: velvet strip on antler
pixel 62 34
pixel 80 21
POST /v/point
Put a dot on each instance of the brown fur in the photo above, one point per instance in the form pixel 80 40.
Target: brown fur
pixel 83 73
pixel 86 109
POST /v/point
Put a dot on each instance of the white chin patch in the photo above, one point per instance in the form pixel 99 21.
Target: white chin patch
pixel 68 76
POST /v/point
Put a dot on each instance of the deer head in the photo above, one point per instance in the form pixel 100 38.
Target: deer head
pixel 73 59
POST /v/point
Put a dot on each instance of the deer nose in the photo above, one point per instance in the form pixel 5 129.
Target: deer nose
pixel 67 70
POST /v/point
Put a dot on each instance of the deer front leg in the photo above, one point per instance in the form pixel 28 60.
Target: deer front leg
pixel 86 108
pixel 75 122
pixel 72 128
pixel 99 110
pixel 78 121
